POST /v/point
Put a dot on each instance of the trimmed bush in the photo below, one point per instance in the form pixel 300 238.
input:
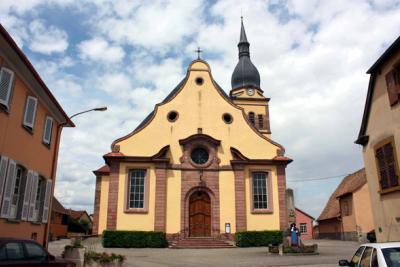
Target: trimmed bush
pixel 134 239
pixel 258 238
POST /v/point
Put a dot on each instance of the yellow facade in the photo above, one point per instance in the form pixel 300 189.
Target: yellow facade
pixel 200 109
pixel 383 123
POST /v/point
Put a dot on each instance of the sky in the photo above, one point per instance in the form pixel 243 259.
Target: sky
pixel 312 56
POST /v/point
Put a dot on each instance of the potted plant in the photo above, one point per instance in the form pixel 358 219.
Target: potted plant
pixel 75 252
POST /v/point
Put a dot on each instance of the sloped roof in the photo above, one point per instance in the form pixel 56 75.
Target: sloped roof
pixel 172 95
pixel 10 41
pixel 77 214
pixel 393 48
pixel 105 169
pixel 58 207
pixel 349 184
pixel 306 214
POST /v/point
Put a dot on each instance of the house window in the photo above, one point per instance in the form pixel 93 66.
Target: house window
pixel 386 164
pixel 30 112
pixel 39 200
pixel 260 121
pixel 393 85
pixel 252 118
pixel 17 192
pixel 136 189
pixel 6 83
pixel 260 192
pixel 303 228
pixel 346 208
pixel 48 129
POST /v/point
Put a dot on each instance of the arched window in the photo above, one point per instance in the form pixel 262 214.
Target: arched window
pixel 260 121
pixel 251 118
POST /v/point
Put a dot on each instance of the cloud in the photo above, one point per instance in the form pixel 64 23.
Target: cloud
pixel 47 40
pixel 98 49
pixel 157 25
pixel 312 56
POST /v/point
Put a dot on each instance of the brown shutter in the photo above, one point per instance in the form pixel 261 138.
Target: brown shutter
pixel 382 168
pixel 392 87
pixel 390 165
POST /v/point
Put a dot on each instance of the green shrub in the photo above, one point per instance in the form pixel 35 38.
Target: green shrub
pixel 134 239
pixel 258 238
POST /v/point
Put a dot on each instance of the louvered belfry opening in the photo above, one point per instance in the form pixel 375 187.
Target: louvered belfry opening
pixel 387 168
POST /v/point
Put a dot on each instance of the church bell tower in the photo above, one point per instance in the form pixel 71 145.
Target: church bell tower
pixel 246 91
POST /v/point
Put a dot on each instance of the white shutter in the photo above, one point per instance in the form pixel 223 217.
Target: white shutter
pixel 48 127
pixel 6 82
pixel 32 202
pixel 46 204
pixel 3 172
pixel 27 196
pixel 30 111
pixel 8 189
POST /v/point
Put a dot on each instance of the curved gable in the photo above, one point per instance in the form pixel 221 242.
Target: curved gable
pixel 200 109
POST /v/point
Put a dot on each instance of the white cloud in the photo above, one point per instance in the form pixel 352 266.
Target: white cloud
pixel 98 49
pixel 46 40
pixel 312 56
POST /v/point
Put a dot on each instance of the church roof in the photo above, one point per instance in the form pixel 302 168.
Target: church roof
pixel 245 73
pixel 350 184
pixel 173 93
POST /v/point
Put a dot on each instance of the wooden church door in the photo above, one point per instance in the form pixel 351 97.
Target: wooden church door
pixel 199 214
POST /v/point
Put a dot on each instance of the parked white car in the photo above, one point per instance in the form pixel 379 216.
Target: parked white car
pixel 375 255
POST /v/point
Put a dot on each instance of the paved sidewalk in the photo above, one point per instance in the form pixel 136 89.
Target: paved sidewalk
pixel 330 251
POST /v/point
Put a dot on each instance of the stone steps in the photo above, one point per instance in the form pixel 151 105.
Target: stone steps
pixel 201 243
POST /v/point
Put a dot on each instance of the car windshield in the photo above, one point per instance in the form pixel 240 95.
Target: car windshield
pixel 392 256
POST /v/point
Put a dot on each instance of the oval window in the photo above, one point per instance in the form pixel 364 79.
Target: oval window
pixel 172 116
pixel 199 81
pixel 227 118
pixel 199 155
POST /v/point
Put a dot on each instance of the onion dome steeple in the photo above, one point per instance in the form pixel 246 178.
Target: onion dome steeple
pixel 245 73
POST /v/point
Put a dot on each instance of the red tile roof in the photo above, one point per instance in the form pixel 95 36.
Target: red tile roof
pixel 58 207
pixel 350 184
pixel 103 170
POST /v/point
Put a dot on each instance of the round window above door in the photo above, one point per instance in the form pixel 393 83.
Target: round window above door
pixel 199 156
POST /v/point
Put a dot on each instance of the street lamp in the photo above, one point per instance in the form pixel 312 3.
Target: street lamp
pixel 93 109
pixel 54 163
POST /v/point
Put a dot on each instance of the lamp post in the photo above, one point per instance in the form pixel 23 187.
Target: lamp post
pixel 93 109
pixel 54 165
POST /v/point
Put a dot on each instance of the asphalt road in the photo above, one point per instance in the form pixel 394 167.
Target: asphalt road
pixel 330 251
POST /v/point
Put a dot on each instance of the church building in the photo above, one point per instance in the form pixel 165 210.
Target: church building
pixel 201 164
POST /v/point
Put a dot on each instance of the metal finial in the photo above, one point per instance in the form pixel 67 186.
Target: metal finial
pixel 198 51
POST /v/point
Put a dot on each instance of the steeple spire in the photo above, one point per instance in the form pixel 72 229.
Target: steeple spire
pixel 243 37
pixel 245 74
pixel 244 45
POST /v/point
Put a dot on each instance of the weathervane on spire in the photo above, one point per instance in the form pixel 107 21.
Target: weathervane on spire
pixel 198 51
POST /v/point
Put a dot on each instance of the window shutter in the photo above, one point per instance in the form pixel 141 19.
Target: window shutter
pixel 3 172
pixel 30 111
pixel 48 127
pixel 46 204
pixel 27 196
pixel 382 168
pixel 390 165
pixel 32 202
pixel 8 189
pixel 391 87
pixel 6 81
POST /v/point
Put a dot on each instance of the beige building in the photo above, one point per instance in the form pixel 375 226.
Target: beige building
pixel 380 137
pixel 202 164
pixel 347 214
